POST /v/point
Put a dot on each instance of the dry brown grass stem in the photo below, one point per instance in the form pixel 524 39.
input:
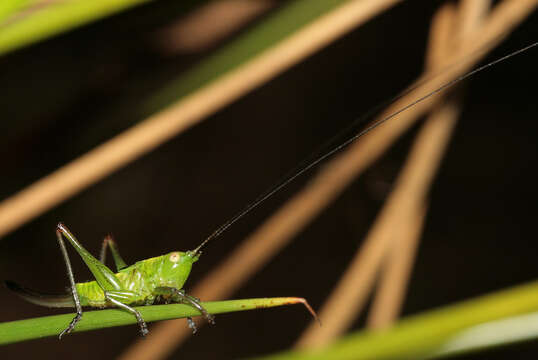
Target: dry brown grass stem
pixel 397 265
pixel 150 133
pixel 351 292
pixel 390 291
pixel 472 14
pixel 260 247
pixel 441 40
pixel 396 271
pixel 209 24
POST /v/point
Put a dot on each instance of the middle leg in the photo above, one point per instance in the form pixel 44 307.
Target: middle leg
pixel 111 295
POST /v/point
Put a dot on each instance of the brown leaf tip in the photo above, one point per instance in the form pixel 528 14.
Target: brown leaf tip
pixel 303 301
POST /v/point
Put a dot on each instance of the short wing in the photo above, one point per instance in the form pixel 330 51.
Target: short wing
pixel 53 301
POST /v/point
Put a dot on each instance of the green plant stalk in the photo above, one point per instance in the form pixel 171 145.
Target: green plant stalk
pixel 21 330
pixel 55 18
pixel 420 336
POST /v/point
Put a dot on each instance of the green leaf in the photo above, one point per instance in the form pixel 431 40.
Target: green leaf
pixel 21 330
pixel 23 23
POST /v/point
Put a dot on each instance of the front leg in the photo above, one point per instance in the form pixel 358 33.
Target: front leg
pixel 181 297
pixel 191 300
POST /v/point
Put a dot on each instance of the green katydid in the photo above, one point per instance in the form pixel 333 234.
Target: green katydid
pixel 163 277
pixel 143 283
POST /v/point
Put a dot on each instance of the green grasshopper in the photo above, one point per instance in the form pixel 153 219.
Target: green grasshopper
pixel 143 283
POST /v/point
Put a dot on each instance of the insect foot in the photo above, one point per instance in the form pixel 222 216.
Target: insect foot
pixel 143 329
pixel 210 318
pixel 192 325
pixel 71 325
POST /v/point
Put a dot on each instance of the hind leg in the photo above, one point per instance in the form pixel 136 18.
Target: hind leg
pixel 74 292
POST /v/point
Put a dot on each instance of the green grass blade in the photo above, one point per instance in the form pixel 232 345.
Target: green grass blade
pixel 21 330
pixel 9 7
pixel 426 335
pixel 498 333
pixel 36 22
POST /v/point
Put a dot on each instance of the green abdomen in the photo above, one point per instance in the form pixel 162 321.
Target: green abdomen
pixel 132 280
pixel 91 294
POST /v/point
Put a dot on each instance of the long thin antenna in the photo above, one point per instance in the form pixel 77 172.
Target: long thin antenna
pixel 312 161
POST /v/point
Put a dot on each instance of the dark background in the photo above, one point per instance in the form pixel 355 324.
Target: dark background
pixel 64 96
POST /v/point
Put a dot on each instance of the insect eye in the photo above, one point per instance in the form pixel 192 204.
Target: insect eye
pixel 174 257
